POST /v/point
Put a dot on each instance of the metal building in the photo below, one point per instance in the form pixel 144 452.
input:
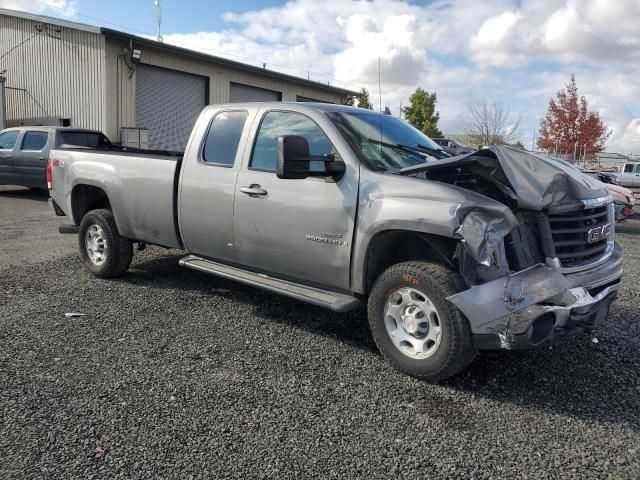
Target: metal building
pixel 65 73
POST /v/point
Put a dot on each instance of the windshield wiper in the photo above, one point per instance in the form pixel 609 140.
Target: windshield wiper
pixel 438 153
pixel 422 150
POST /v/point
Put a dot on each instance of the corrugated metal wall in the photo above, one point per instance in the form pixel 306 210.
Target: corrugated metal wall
pixel 3 109
pixel 120 89
pixel 53 74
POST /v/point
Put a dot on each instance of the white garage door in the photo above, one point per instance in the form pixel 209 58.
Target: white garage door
pixel 168 103
pixel 246 93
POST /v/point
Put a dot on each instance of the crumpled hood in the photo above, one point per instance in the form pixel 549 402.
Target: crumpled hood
pixel 535 181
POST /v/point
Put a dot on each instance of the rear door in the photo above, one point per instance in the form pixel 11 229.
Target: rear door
pixel 208 180
pixel 8 140
pixel 30 158
pixel 298 229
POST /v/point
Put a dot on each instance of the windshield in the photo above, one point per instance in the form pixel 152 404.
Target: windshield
pixel 381 141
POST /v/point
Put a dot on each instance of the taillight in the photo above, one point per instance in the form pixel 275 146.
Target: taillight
pixel 49 184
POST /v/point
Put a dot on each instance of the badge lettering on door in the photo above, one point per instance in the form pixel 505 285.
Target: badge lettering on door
pixel 328 237
pixel 598 233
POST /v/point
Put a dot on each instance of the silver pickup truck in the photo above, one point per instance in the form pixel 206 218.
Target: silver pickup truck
pixel 338 207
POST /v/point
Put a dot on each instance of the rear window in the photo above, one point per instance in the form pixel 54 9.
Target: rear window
pixel 35 140
pixel 223 138
pixel 8 140
pixel 84 139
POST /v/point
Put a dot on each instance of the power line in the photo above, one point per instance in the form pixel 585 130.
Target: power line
pixel 191 47
pixel 38 32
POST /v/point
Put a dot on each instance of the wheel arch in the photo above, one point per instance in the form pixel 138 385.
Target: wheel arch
pixel 393 246
pixel 86 197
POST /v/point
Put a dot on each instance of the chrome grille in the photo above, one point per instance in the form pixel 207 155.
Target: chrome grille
pixel 571 235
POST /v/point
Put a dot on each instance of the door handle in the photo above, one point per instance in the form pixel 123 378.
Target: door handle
pixel 253 190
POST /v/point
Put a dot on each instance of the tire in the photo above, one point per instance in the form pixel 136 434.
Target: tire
pixel 110 255
pixel 407 306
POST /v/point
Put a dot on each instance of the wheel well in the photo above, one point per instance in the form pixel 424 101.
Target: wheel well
pixel 395 246
pixel 85 198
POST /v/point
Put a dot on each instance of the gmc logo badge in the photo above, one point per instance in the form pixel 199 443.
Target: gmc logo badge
pixel 598 233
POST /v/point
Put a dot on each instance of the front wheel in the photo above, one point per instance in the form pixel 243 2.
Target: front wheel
pixel 413 324
pixel 104 251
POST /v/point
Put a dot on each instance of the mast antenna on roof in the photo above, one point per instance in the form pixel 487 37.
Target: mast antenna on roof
pixel 159 18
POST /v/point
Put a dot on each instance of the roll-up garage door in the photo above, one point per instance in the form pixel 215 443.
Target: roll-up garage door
pixel 247 93
pixel 168 103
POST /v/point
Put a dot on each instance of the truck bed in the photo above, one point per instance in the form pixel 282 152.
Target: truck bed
pixel 141 186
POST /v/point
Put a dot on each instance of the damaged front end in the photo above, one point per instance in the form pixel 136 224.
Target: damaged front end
pixel 545 268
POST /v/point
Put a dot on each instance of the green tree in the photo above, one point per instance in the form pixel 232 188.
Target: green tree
pixel 360 100
pixel 422 113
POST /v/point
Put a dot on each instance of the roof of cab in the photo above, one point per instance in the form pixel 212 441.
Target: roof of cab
pixel 310 106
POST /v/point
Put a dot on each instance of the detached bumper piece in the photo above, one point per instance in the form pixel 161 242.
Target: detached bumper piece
pixel 554 324
pixel 540 305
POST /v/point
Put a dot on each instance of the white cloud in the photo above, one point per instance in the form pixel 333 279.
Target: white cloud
pixel 65 8
pixel 569 31
pixel 498 41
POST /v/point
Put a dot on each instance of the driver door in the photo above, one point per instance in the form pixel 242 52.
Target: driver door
pixel 296 229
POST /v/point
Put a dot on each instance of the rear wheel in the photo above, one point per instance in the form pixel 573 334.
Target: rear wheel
pixel 104 251
pixel 413 324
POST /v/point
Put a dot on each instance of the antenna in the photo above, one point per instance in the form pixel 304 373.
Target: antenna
pixel 380 97
pixel 379 86
pixel 159 18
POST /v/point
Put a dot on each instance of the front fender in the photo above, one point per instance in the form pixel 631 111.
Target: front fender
pixel 392 202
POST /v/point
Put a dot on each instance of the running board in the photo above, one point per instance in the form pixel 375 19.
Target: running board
pixel 338 302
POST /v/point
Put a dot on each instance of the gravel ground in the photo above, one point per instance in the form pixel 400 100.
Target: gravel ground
pixel 172 373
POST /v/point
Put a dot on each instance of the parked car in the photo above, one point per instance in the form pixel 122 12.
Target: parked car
pixel 453 147
pixel 339 206
pixel 629 175
pixel 24 151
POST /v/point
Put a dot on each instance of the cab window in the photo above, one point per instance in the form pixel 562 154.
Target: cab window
pixel 35 140
pixel 223 138
pixel 628 167
pixel 278 124
pixel 8 140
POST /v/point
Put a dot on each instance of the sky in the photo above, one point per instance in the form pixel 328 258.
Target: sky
pixel 519 52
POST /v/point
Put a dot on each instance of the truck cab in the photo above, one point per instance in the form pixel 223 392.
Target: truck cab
pixel 629 175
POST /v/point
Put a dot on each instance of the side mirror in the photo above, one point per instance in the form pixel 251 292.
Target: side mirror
pixel 294 160
pixel 293 157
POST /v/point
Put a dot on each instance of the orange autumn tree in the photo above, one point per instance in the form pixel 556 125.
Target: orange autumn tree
pixel 570 127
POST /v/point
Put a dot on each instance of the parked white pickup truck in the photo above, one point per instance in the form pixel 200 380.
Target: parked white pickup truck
pixel 629 175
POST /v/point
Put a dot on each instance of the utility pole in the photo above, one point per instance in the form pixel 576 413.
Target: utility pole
pixel 159 18
pixel 533 142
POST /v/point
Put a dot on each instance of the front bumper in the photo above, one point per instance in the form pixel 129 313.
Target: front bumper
pixel 539 305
